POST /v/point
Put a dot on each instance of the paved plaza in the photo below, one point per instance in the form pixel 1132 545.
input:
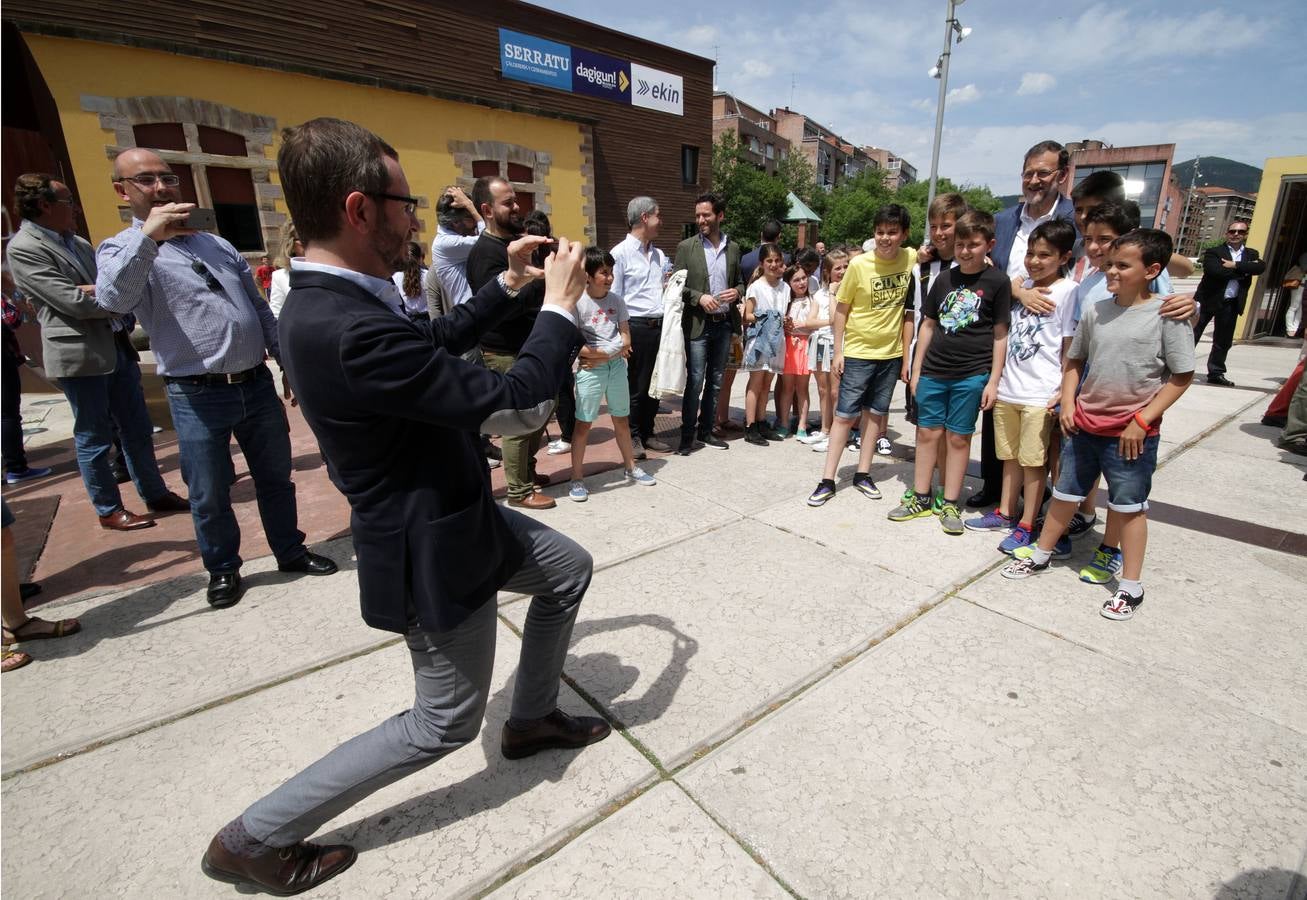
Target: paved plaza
pixel 806 702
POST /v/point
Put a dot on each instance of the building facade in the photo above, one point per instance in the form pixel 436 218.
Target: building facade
pixel 520 92
pixel 754 130
pixel 1148 178
pixel 898 171
pixel 831 157
pixel 1221 206
pixel 1278 230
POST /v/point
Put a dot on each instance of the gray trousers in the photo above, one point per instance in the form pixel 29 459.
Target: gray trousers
pixel 452 671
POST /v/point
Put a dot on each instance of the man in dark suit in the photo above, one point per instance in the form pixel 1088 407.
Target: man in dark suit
pixel 87 349
pixel 713 289
pixel 385 395
pixel 1228 271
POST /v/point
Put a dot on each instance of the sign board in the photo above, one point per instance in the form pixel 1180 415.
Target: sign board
pixel 597 75
pixel 653 89
pixel 533 59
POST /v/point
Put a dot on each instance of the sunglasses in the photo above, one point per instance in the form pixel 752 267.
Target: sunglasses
pixel 1236 231
pixel 210 281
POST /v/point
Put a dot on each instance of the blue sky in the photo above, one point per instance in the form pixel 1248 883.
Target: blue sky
pixel 1216 79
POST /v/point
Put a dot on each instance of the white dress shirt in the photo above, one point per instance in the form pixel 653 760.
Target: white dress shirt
pixel 1016 261
pixel 1232 286
pixel 638 277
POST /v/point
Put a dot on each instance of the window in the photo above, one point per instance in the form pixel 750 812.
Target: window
pixel 235 206
pixel 160 136
pixel 689 164
pixel 520 173
pixel 482 168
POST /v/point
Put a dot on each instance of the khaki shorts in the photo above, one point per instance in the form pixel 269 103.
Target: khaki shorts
pixel 1022 433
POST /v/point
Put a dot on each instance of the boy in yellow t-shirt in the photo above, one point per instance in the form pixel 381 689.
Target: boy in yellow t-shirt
pixel 872 324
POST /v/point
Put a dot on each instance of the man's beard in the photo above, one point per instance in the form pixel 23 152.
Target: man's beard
pixel 510 225
pixel 389 245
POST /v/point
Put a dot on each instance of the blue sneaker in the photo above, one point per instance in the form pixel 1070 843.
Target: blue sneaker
pixel 27 474
pixel 1062 549
pixel 641 477
pixel 1020 537
pixel 825 490
pixel 990 521
pixel 1105 566
pixel 578 492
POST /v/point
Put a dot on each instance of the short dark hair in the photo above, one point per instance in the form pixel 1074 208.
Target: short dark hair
pixel 322 162
pixel 1155 246
pixel 1104 185
pixel 1114 215
pixel 771 232
pixel 717 201
pixel 807 256
pixel 1063 157
pixel 481 190
pixel 892 214
pixel 449 213
pixel 596 258
pixel 537 223
pixel 975 221
pixel 30 191
pixel 1059 233
pixel 947 205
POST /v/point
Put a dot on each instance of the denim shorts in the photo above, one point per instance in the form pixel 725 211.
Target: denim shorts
pixel 1085 456
pixel 867 384
pixel 604 380
pixel 950 403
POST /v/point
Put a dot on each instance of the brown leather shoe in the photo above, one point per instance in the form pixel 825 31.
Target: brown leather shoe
pixel 122 520
pixel 283 872
pixel 556 731
pixel 533 501
pixel 169 502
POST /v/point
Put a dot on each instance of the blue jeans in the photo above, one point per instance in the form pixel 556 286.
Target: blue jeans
pixel 705 361
pixel 206 417
pixel 1085 456
pixel 98 401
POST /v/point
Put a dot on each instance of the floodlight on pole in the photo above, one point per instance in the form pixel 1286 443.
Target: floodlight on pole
pixel 940 71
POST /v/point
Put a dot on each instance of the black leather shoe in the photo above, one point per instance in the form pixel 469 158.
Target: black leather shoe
pixel 556 731
pixel 169 502
pixel 1220 380
pixel 310 564
pixel 982 497
pixel 685 448
pixel 282 872
pixel 714 442
pixel 225 589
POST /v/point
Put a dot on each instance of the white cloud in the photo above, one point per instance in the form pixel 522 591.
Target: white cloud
pixel 923 105
pixel 965 94
pixel 756 68
pixel 1035 83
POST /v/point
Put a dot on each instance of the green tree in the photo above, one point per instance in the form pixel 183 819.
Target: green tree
pixel 798 175
pixel 847 211
pixel 913 197
pixel 752 196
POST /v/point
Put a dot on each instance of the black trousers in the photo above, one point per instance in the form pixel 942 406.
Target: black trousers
pixel 991 467
pixel 646 335
pixel 1224 313
pixel 15 459
pixel 566 411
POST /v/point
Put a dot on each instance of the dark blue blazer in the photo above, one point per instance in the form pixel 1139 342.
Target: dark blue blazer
pixel 1216 277
pixel 397 413
pixel 1007 222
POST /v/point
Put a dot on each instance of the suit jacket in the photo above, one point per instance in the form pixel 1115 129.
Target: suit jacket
pixel 689 256
pixel 1211 289
pixel 76 337
pixel 1008 222
pixel 398 415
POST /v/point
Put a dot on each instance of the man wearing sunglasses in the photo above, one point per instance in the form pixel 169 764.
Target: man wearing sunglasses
pixel 210 330
pixel 1228 271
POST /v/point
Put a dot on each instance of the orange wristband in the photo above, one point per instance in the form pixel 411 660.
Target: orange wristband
pixel 1142 424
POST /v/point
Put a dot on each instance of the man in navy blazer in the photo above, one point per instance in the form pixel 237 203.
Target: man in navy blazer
pixel 1228 271
pixel 398 414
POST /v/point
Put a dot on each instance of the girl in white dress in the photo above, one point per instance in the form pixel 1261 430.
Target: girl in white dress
pixel 765 305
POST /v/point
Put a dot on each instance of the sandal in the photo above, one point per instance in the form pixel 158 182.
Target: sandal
pixel 14 659
pixel 26 632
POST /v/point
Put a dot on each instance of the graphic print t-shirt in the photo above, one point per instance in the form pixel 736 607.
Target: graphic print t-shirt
pixel 965 309
pixel 1032 371
pixel 877 291
pixel 601 320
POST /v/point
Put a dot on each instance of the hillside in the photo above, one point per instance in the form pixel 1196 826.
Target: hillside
pixel 1221 172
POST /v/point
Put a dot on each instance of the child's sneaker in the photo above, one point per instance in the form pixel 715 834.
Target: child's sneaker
pixel 1062 549
pixel 855 443
pixel 1080 524
pixel 1105 566
pixel 937 504
pixel 1020 537
pixel 991 521
pixel 910 507
pixel 822 445
pixel 558 447
pixel 641 477
pixel 1121 607
pixel 825 490
pixel 863 482
pixel 811 437
pixel 884 447
pixel 950 519
pixel 1023 564
pixel 578 492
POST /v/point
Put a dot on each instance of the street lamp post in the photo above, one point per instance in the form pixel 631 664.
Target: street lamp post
pixel 940 71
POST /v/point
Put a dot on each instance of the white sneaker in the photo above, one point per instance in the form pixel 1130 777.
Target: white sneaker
pixel 558 447
pixel 884 447
pixel 822 445
pixel 641 477
pixel 812 437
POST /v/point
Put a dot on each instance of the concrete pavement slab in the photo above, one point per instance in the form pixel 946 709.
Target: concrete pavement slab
pixel 1247 437
pixel 1248 489
pixel 131 819
pixel 685 644
pixel 971 755
pixel 661 845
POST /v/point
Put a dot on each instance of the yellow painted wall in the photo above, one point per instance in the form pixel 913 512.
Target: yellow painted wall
pixel 420 128
pixel 1259 230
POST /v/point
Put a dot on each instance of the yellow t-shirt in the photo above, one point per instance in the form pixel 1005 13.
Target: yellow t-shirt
pixel 877 293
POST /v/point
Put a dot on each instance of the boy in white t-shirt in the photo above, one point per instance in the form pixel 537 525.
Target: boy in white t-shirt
pixel 1031 386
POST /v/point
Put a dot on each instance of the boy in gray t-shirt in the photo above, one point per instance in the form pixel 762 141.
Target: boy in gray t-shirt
pixel 1139 365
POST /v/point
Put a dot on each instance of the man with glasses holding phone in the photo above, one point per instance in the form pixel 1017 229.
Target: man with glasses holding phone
pixel 210 329
pixel 1228 271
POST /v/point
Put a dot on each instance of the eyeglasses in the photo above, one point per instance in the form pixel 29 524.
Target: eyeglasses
pixel 1041 174
pixel 212 283
pixel 148 179
pixel 1236 231
pixel 410 203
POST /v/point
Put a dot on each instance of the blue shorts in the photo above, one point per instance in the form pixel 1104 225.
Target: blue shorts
pixel 867 384
pixel 950 403
pixel 604 380
pixel 1085 456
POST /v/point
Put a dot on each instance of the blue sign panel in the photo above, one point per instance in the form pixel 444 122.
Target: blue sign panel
pixel 597 75
pixel 526 58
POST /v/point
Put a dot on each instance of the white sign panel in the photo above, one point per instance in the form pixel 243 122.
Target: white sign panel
pixel 653 89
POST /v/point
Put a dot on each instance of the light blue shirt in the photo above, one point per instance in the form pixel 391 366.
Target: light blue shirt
pixel 1093 289
pixel 1232 286
pixel 382 288
pixel 449 252
pixel 715 257
pixel 194 329
pixel 638 277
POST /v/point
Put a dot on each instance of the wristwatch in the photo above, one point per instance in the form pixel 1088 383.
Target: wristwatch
pixel 503 283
